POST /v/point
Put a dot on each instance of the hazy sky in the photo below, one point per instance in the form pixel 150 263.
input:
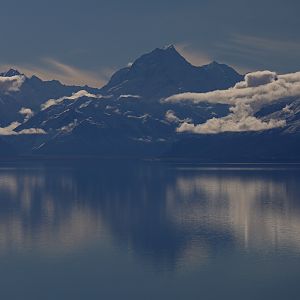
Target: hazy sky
pixel 85 41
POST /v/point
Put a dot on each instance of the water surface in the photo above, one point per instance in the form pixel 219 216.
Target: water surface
pixel 148 230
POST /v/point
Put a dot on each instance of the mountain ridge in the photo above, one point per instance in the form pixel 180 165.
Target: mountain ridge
pixel 164 71
pixel 126 117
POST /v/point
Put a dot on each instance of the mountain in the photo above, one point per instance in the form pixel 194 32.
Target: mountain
pixel 11 73
pixel 273 145
pixel 265 146
pixel 164 72
pixel 127 117
pixel 6 149
pixel 31 94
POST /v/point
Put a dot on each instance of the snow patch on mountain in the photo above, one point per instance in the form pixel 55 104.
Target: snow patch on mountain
pixel 129 97
pixel 68 128
pixel 73 97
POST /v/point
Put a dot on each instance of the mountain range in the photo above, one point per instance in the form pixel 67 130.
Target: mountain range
pixel 130 117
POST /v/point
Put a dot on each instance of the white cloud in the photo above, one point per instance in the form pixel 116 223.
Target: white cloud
pixel 172 118
pixel 52 69
pixel 245 99
pixel 256 79
pixel 27 113
pixel 11 84
pixel 287 85
pixel 239 120
pixel 10 130
pixel 74 96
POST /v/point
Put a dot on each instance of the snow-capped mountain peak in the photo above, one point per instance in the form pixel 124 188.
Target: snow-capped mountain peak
pixel 11 73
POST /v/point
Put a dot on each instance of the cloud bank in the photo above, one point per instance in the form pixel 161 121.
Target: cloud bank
pixel 11 84
pixel 245 99
pixel 240 119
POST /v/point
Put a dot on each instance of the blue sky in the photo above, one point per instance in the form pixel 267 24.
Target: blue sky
pixel 85 41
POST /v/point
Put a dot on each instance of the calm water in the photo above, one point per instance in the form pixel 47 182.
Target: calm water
pixel 141 230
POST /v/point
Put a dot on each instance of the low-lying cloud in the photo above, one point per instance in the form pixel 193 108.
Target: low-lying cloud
pixel 172 118
pixel 240 119
pixel 11 84
pixel 27 113
pixel 245 99
pixel 256 79
pixel 74 96
pixel 10 130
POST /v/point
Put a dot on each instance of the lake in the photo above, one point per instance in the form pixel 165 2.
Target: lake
pixel 116 229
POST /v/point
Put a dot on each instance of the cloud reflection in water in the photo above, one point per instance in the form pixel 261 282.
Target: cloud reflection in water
pixel 166 214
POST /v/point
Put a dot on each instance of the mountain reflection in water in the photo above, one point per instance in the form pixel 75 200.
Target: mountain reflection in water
pixel 147 230
pixel 162 212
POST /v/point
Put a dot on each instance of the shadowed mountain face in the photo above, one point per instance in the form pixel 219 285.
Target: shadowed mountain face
pixel 273 147
pixel 164 72
pixel 6 149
